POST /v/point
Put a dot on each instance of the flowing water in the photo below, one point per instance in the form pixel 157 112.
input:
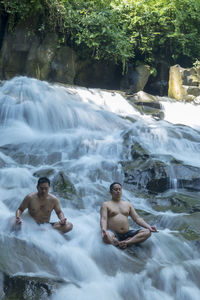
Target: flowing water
pixel 51 128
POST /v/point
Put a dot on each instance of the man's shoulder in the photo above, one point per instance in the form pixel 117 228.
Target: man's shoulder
pixel 125 202
pixel 52 197
pixel 106 203
pixel 31 195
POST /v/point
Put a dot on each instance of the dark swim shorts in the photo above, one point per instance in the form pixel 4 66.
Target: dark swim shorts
pixel 124 236
pixel 52 223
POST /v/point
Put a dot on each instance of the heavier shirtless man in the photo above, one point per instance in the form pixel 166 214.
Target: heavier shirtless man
pixel 114 221
pixel 40 206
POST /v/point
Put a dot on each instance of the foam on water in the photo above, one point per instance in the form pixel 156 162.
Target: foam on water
pixel 182 113
pixel 83 133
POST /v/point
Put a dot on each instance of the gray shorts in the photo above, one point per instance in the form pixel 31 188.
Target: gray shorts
pixel 124 236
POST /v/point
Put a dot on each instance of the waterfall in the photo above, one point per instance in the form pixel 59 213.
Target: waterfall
pixel 50 127
pixel 177 113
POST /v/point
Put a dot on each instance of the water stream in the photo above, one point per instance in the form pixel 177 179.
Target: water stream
pixel 80 131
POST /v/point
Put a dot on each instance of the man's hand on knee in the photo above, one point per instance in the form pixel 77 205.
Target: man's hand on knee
pixel 18 221
pixel 63 221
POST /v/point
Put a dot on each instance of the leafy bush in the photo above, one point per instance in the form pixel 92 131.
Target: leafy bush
pixel 119 31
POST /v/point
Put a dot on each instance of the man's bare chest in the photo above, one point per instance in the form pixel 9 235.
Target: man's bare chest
pixel 38 206
pixel 114 210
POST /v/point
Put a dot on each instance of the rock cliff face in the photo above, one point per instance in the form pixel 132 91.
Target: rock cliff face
pixel 184 84
pixel 25 51
pixel 147 173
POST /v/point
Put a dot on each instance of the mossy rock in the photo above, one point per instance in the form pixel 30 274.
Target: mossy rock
pixel 189 227
pixel 62 186
pixel 28 288
pixel 178 203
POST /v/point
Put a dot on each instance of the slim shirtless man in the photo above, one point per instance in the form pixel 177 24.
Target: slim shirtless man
pixel 40 206
pixel 114 221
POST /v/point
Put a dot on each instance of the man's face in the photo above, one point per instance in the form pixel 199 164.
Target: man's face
pixel 43 189
pixel 116 191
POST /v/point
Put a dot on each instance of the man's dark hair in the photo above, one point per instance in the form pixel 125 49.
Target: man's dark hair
pixel 43 180
pixel 112 184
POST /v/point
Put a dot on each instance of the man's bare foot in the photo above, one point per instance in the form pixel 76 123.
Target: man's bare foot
pixel 123 245
pixel 115 241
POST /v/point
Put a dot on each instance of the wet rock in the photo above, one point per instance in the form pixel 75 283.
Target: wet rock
pixel 31 288
pixel 145 172
pixel 137 151
pixel 15 48
pixel 184 84
pixel 44 172
pixel 20 157
pixel 189 227
pixel 64 65
pixel 146 104
pixel 136 78
pixel 2 163
pixel 158 83
pixel 29 157
pixel 189 184
pixel 34 159
pixel 97 74
pixel 1 286
pixel 40 55
pixel 197 244
pixel 186 212
pixel 62 186
pixel 53 158
pixel 149 175
pixel 178 202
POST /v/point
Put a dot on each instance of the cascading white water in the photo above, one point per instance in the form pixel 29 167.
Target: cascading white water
pixel 179 113
pixel 81 132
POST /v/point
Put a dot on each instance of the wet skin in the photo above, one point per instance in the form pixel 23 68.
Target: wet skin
pixel 114 218
pixel 40 206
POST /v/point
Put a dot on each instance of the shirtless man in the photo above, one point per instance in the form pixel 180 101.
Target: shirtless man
pixel 40 206
pixel 114 221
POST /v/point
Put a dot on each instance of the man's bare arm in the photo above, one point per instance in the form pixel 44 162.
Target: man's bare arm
pixel 104 218
pixel 59 212
pixel 21 208
pixel 138 220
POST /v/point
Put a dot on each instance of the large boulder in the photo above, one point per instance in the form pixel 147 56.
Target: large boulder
pixel 40 56
pixel 146 104
pixel 26 51
pixel 64 65
pixel 65 189
pixel 145 172
pixel 184 84
pixel 178 202
pixel 14 52
pixel 32 288
pixel 186 208
pixel 100 74
pixel 136 78
pixel 26 157
pixel 62 185
pixel 158 81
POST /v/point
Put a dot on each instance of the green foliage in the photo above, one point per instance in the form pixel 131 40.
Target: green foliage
pixel 117 30
pixel 196 64
pixel 20 9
